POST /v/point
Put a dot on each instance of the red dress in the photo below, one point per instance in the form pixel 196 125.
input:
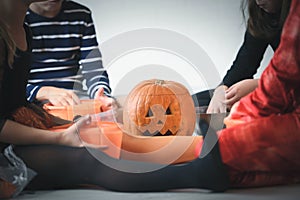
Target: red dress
pixel 264 147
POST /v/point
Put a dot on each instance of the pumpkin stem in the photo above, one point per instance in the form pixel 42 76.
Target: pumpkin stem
pixel 159 82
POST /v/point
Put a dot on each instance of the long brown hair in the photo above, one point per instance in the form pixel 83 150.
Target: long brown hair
pixel 262 24
pixel 9 44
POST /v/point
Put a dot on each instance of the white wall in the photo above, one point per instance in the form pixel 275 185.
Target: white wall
pixel 191 41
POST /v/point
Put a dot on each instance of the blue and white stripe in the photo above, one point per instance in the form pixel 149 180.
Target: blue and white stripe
pixel 65 52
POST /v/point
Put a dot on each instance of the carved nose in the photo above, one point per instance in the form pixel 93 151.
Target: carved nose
pixel 160 122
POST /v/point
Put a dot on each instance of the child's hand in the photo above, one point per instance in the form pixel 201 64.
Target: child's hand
pixel 58 96
pixel 107 102
pixel 239 90
pixel 217 104
pixel 71 137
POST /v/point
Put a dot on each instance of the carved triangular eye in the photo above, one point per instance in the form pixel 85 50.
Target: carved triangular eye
pixel 168 111
pixel 150 113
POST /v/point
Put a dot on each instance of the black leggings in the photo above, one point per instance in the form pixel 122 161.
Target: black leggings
pixel 66 167
pixel 203 98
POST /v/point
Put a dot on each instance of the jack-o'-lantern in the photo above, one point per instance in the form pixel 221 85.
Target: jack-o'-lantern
pixel 159 108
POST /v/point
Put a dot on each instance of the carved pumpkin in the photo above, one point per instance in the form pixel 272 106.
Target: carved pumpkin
pixel 157 108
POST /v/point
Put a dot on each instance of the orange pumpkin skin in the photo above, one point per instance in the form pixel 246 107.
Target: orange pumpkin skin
pixel 159 107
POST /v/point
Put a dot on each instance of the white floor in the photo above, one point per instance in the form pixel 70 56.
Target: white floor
pixel 291 192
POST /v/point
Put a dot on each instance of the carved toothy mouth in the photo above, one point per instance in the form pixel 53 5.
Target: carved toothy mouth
pixel 157 133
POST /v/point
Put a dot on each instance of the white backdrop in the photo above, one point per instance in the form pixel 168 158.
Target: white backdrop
pixel 191 41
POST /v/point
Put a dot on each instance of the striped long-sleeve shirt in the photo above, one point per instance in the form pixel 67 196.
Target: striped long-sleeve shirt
pixel 65 52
